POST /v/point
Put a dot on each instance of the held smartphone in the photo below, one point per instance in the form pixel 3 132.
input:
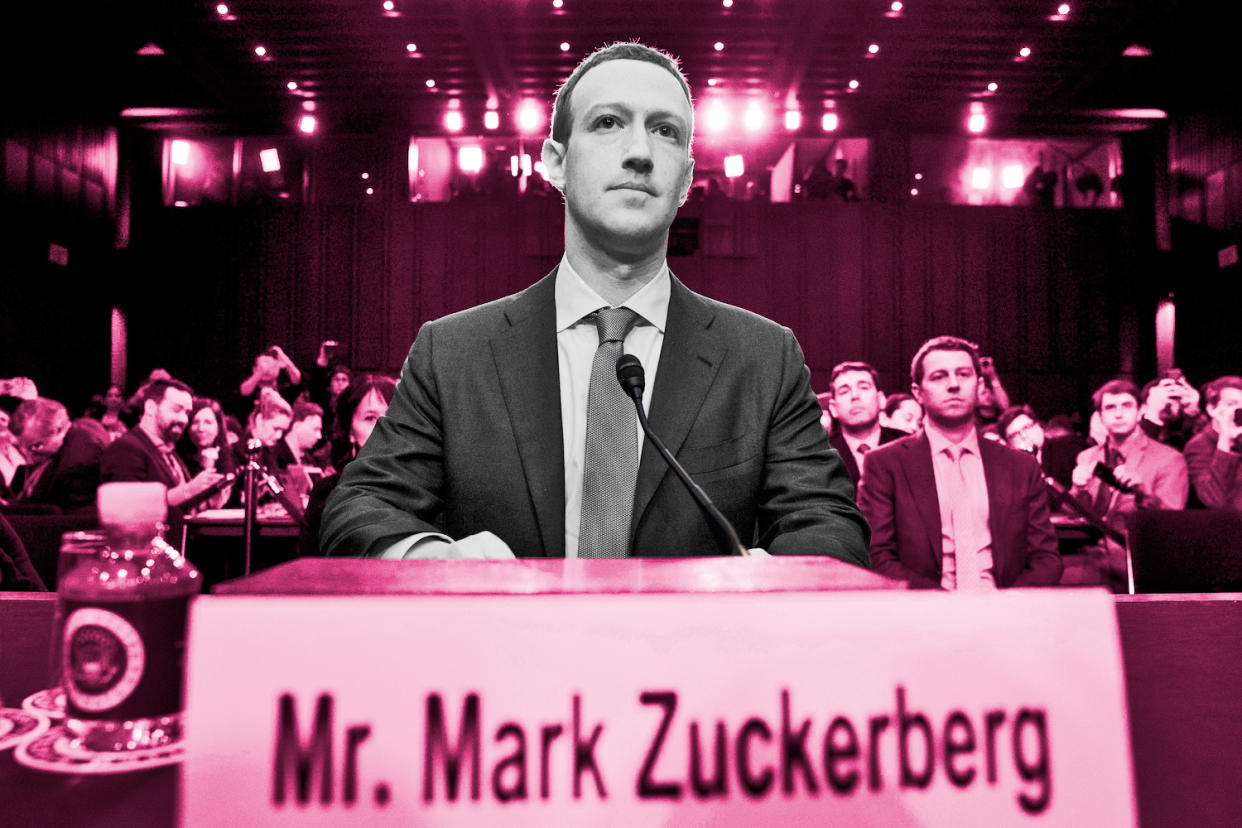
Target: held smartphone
pixel 1237 416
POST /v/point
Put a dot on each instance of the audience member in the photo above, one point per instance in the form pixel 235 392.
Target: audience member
pixel 843 187
pixel 359 407
pixel 147 452
pixel 1214 455
pixel 304 433
pixel 12 461
pixel 269 420
pixel 21 388
pixel 825 411
pixel 1057 455
pixel 951 510
pixel 1170 409
pixel 947 509
pixel 329 377
pixel 204 445
pixel 107 410
pixel 855 402
pixel 63 458
pixel 273 370
pixel 903 413
pixel 17 573
pixel 991 398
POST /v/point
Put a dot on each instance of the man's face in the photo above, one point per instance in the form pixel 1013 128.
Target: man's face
pixel 305 433
pixel 1024 434
pixel 626 167
pixel 269 431
pixel 1120 414
pixel 41 441
pixel 855 400
pixel 172 414
pixel 949 387
pixel 1222 413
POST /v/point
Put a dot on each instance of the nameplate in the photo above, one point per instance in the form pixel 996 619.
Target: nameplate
pixel 849 708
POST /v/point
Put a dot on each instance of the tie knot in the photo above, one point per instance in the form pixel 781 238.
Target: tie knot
pixel 863 448
pixel 614 323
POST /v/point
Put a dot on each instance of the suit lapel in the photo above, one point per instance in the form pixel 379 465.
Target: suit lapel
pixel 529 379
pixel 689 360
pixel 156 459
pixel 921 478
pixel 996 473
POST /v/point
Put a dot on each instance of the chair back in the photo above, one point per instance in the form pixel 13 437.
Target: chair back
pixel 1193 550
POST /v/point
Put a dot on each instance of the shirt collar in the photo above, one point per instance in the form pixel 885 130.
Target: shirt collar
pixel 853 442
pixel 1133 445
pixel 939 442
pixel 160 445
pixel 575 298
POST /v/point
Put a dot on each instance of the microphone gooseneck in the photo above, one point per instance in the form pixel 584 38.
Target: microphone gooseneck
pixel 633 380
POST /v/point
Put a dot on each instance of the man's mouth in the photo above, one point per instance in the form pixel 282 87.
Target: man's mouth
pixel 635 187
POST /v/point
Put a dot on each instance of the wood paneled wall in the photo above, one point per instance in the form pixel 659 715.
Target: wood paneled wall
pixel 1051 295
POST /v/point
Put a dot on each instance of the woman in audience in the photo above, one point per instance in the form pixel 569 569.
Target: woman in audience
pixel 204 445
pixel 357 410
pixel 902 412
pixel 107 410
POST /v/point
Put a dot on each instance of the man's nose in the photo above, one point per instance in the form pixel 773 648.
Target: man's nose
pixel 638 151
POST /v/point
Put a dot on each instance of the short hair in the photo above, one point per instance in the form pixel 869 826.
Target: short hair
pixel 37 412
pixel 270 404
pixel 894 401
pixel 845 367
pixel 347 405
pixel 305 410
pixel 822 398
pixel 562 110
pixel 1012 413
pixel 156 389
pixel 942 343
pixel 1211 391
pixel 1115 386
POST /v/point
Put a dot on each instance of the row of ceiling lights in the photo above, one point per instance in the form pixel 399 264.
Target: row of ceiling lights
pixel 529 118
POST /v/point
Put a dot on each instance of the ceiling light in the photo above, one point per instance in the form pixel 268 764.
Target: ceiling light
pixel 718 46
pixel 753 118
pixel 977 122
pixel 1025 52
pixel 716 117
pixel 918 176
pixel 411 47
pixel 1063 9
pixel 365 176
pixel 914 191
pixel 309 106
pixel 470 159
pixel 453 120
pixel 1135 50
pixel 150 50
pixel 529 117
pixel 981 178
pixel 389 5
pixel 853 84
pixel 733 166
pixel 564 46
pixel 728 4
pixel 180 152
pixel 269 160
pixel 491 119
pixel 1012 176
pixel 713 81
pixel 992 87
pixel 308 124
pixel 431 83
pixel 830 122
pixel 894 9
pixel 222 10
pixel 370 191
pixel 291 86
pixel 793 120
pixel 261 51
pixel 873 49
pixel 556 4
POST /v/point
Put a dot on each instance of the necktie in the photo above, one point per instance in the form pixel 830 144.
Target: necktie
pixel 174 467
pixel 965 544
pixel 863 448
pixel 610 465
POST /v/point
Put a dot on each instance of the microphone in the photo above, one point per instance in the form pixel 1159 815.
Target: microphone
pixel 1106 474
pixel 633 379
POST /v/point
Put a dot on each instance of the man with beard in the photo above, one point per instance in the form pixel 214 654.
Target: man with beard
pixel 146 452
pixel 855 402
pixel 63 457
pixel 947 509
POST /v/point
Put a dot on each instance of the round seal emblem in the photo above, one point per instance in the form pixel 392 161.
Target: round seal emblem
pixel 103 659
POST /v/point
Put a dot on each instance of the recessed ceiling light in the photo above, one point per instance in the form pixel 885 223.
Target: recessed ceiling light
pixel 853 84
pixel 992 87
pixel 431 83
pixel 291 86
pixel 719 47
pixel 411 47
pixel 564 46
pixel 1025 52
pixel 261 51
pixel 873 49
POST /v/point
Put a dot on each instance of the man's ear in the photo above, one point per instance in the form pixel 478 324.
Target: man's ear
pixel 916 392
pixel 686 182
pixel 883 400
pixel 832 407
pixel 149 407
pixel 554 162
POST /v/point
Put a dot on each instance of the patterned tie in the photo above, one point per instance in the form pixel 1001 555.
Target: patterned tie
pixel 610 466
pixel 965 544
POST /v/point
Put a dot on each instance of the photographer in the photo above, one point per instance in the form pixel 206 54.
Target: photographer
pixel 272 369
pixel 1171 409
pixel 991 398
pixel 1214 455
pixel 329 376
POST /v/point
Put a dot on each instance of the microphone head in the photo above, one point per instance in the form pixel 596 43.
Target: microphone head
pixel 253 446
pixel 631 375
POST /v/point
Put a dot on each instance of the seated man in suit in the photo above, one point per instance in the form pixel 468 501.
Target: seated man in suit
pixel 63 457
pixel 948 509
pixel 147 452
pixel 1057 453
pixel 856 402
pixel 509 433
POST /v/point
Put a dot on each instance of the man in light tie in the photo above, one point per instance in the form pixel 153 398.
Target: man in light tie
pixel 509 434
pixel 947 509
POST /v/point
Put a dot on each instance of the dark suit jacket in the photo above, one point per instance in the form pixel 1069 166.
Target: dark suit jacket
pixel 472 440
pixel 73 476
pixel 898 497
pixel 837 440
pixel 133 457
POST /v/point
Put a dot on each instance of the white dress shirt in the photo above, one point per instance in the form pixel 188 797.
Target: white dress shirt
pixel 972 514
pixel 576 342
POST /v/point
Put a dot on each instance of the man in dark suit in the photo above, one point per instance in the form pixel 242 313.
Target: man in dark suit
pixel 950 510
pixel 63 456
pixel 855 402
pixel 146 452
pixel 491 446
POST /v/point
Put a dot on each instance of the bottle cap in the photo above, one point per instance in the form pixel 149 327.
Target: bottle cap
pixel 130 503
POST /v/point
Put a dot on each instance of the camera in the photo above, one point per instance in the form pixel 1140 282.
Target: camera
pixel 1237 416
